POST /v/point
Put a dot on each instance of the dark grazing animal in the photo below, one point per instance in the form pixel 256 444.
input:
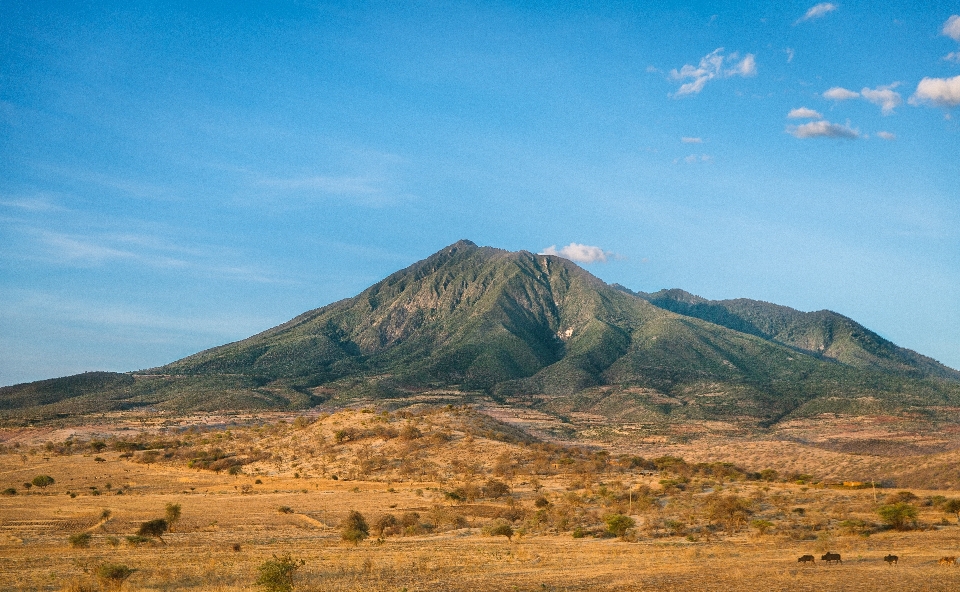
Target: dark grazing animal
pixel 828 557
pixel 807 559
pixel 891 559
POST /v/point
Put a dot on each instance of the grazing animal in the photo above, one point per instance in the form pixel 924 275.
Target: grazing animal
pixel 807 559
pixel 828 557
pixel 947 561
pixel 891 559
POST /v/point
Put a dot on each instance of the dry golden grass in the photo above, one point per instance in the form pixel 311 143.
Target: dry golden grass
pixel 222 510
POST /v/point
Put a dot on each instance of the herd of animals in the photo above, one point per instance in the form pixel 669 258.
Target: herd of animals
pixel 830 557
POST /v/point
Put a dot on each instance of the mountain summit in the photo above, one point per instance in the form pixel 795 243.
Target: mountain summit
pixel 534 329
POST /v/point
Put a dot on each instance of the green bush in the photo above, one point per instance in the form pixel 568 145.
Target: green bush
pixel 42 481
pixel 900 516
pixel 618 524
pixel 276 575
pixel 113 575
pixel 153 528
pixel 173 515
pixel 952 506
pixel 501 528
pixel 81 540
pixel 354 528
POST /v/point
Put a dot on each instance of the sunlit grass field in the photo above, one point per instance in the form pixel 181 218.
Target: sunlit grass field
pixel 285 500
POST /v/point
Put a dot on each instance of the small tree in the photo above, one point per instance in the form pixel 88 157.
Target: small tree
pixel 173 515
pixel 494 488
pixel 42 481
pixel 276 575
pixel 952 506
pixel 762 526
pixel 81 540
pixel 900 516
pixel 354 528
pixel 384 522
pixel 112 575
pixel 501 528
pixel 154 528
pixel 618 524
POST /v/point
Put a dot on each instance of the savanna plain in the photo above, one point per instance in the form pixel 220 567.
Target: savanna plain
pixel 447 497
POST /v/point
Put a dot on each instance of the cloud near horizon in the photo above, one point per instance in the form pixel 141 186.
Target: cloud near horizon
pixel 579 253
pixel 818 11
pixel 943 92
pixel 713 65
pixel 823 129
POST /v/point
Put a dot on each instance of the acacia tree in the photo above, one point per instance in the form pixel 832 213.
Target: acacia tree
pixel 154 528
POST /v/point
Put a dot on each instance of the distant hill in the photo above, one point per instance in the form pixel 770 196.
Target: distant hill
pixel 536 330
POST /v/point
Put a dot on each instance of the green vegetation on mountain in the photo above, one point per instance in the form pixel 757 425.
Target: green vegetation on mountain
pixel 537 330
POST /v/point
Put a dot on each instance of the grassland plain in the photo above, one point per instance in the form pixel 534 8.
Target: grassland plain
pixel 720 518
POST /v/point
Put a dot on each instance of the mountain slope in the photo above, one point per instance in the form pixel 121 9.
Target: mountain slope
pixel 534 330
pixel 824 333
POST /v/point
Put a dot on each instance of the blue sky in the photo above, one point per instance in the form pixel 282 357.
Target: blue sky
pixel 174 176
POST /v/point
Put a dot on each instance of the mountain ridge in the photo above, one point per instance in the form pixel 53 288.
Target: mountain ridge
pixel 536 330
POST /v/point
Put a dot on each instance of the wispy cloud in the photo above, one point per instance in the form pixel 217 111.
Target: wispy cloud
pixel 951 28
pixel 838 93
pixel 883 96
pixel 30 302
pixel 693 158
pixel 823 129
pixel 804 113
pixel 579 253
pixel 323 184
pixel 943 92
pixel 147 251
pixel 713 65
pixel 953 56
pixel 32 204
pixel 818 11
pixel 687 140
pixel 886 136
pixel 790 54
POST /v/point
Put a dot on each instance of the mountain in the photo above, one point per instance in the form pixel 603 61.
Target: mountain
pixel 538 330
pixel 824 333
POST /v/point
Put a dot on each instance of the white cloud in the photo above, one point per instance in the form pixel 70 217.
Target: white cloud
pixel 823 129
pixel 712 66
pixel 579 253
pixel 692 140
pixel 951 28
pixel 886 136
pixel 838 93
pixel 883 96
pixel 944 92
pixel 953 56
pixel 746 67
pixel 818 11
pixel 804 113
pixel 790 53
